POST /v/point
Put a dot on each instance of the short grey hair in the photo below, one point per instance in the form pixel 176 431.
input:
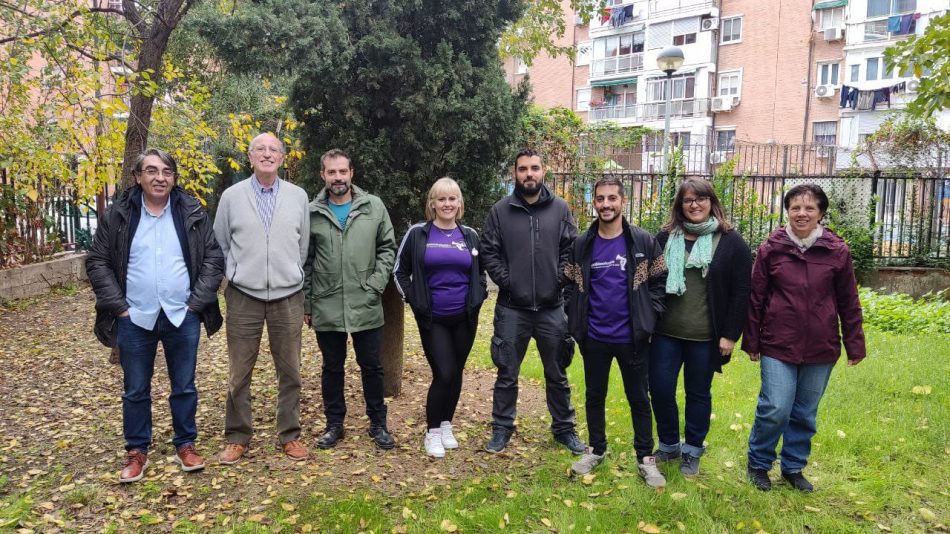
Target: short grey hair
pixel 250 147
pixel 166 158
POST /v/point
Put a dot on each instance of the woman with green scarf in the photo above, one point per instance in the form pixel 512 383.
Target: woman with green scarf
pixel 707 290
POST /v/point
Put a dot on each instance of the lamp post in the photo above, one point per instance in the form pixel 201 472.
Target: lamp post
pixel 669 60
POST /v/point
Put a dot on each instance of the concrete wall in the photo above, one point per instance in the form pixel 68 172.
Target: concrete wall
pixel 38 278
pixel 914 281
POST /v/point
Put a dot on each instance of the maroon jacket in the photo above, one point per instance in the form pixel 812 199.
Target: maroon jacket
pixel 798 298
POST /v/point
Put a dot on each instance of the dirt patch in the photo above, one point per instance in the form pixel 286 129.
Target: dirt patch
pixel 61 429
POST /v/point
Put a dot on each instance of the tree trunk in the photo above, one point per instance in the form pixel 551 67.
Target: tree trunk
pixel 393 340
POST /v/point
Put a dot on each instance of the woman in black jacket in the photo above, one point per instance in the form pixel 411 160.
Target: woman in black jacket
pixel 439 274
pixel 707 288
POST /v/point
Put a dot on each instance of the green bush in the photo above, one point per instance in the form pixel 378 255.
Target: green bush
pixel 895 312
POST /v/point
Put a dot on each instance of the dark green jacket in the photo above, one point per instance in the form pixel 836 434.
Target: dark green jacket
pixel 347 270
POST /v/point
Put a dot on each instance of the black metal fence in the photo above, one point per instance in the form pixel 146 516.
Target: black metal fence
pixel 907 216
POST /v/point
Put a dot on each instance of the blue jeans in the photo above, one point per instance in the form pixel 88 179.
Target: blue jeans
pixel 788 406
pixel 667 355
pixel 137 348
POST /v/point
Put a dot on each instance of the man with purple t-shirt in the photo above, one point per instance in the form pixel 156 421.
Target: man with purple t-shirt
pixel 617 288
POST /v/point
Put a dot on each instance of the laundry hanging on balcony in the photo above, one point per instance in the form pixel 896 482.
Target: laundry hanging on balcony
pixel 868 99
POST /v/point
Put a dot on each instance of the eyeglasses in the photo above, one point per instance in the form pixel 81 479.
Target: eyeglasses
pixel 687 201
pixel 262 149
pixel 152 172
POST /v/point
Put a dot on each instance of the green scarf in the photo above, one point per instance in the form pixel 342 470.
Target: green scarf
pixel 700 257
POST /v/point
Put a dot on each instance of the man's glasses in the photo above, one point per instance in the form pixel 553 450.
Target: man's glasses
pixel 263 149
pixel 153 172
pixel 689 201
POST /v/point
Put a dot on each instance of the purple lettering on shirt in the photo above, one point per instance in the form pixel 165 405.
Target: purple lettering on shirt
pixel 447 263
pixel 609 310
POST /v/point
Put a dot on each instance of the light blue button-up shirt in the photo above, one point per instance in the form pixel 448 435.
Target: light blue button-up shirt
pixel 158 277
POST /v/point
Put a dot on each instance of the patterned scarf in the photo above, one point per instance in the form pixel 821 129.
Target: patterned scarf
pixel 700 257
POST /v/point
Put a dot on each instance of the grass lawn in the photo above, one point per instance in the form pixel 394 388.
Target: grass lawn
pixel 879 463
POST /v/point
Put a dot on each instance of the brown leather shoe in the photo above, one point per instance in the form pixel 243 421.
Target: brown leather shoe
pixel 232 453
pixel 189 458
pixel 135 463
pixel 295 450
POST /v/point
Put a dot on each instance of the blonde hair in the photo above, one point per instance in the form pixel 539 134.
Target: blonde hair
pixel 444 185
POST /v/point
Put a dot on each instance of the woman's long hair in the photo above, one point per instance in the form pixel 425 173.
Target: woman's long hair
pixel 701 188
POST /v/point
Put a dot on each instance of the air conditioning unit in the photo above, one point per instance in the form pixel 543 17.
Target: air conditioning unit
pixel 722 103
pixel 709 24
pixel 825 91
pixel 824 151
pixel 833 34
pixel 913 86
pixel 716 158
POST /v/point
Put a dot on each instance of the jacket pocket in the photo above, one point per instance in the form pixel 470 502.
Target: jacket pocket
pixel 500 352
pixel 325 283
pixel 567 351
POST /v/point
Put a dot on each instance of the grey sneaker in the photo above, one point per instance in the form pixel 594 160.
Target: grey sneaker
pixel 663 456
pixel 650 474
pixel 587 463
pixel 499 439
pixel 690 465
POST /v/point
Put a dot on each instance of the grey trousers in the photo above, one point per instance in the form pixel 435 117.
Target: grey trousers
pixel 246 318
pixel 513 329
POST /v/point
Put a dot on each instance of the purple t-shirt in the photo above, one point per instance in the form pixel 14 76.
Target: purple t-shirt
pixel 608 311
pixel 448 264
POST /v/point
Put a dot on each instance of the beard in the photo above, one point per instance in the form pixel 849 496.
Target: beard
pixel 608 216
pixel 339 189
pixel 527 191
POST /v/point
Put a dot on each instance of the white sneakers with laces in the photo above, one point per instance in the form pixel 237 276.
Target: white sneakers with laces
pixel 433 443
pixel 448 438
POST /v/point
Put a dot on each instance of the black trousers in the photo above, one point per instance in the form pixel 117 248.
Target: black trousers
pixel 513 329
pixel 633 362
pixel 447 343
pixel 366 344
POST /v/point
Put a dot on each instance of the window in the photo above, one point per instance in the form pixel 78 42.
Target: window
pixel 680 139
pixel 584 50
pixel 855 72
pixel 731 30
pixel 730 83
pixel 884 8
pixel 583 99
pixel 684 31
pixel 725 140
pixel 684 39
pixel 620 95
pixel 871 73
pixel 831 18
pixel 115 4
pixel 828 73
pixel 619 45
pixel 683 88
pixel 825 132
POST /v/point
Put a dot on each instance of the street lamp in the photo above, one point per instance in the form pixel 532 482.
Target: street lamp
pixel 669 60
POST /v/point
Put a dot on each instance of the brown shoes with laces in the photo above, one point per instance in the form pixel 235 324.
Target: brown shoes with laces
pixel 232 453
pixel 135 463
pixel 295 450
pixel 189 458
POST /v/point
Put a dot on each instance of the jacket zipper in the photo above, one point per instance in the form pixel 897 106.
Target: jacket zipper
pixel 534 281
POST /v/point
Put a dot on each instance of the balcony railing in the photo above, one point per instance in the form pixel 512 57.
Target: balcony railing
pixel 662 7
pixel 609 66
pixel 651 111
pixel 874 31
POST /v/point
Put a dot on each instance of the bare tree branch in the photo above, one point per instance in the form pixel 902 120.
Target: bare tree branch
pixel 58 27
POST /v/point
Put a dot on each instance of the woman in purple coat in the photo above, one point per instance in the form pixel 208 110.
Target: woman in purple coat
pixel 803 289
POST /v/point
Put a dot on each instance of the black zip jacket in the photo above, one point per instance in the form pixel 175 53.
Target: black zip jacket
pixel 108 260
pixel 646 281
pixel 728 285
pixel 411 280
pixel 525 249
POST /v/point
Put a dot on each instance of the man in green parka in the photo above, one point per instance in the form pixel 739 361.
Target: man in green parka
pixel 351 255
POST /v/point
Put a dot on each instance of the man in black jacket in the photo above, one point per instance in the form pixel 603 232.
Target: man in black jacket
pixel 616 290
pixel 155 268
pixel 525 244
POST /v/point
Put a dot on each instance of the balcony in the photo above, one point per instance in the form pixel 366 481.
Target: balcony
pixel 610 66
pixel 659 8
pixel 651 111
pixel 873 31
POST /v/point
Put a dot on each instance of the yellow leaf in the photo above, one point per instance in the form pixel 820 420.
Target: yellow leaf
pixel 448 526
pixel 812 509
pixel 589 479
pixel 569 503
pixel 511 494
pixel 921 390
pixel 287 506
pixel 400 529
pixel 841 434
pixel 256 518
pixel 407 513
pixel 927 514
pixel 649 528
pixel 546 522
pixel 677 496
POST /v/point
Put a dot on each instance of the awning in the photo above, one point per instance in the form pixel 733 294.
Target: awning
pixel 621 81
pixel 830 4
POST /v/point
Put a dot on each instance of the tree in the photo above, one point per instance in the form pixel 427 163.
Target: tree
pixel 926 56
pixel 414 93
pixel 542 26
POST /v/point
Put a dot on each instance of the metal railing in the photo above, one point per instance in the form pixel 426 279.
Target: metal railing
pixel 651 111
pixel 660 7
pixel 873 31
pixel 610 66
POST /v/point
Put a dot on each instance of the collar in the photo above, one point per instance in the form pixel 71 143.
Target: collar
pixel 258 187
pixel 168 203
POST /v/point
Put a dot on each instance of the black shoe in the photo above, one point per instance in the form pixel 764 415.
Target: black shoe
pixel 571 441
pixel 759 478
pixel 799 482
pixel 382 437
pixel 499 439
pixel 663 456
pixel 690 465
pixel 330 436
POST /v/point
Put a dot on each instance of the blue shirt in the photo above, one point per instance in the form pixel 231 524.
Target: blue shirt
pixel 609 308
pixel 158 277
pixel 266 200
pixel 342 212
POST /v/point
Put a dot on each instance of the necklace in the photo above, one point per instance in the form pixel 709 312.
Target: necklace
pixel 449 233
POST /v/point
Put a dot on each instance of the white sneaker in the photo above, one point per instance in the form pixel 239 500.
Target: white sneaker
pixel 433 443
pixel 587 463
pixel 653 477
pixel 448 438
